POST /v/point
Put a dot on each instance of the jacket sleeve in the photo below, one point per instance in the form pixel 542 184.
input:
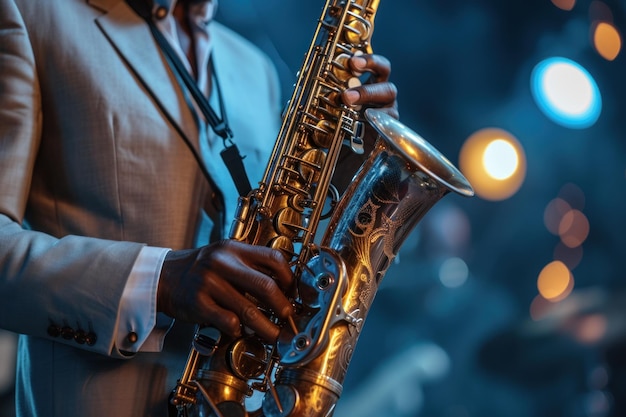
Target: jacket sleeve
pixel 67 289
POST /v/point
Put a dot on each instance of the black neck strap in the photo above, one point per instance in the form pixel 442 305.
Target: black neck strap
pixel 230 154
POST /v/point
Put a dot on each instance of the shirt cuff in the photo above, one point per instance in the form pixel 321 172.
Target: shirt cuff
pixel 139 327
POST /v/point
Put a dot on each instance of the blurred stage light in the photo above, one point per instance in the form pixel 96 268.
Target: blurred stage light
pixel 453 272
pixel 449 229
pixel 607 40
pixel 574 195
pixel 571 257
pixel 494 162
pixel 566 93
pixel 599 11
pixel 564 4
pixel 554 212
pixel 555 281
pixel 592 328
pixel 540 308
pixel 562 219
pixel 573 228
pixel 500 159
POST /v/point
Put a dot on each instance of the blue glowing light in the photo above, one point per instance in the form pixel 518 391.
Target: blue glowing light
pixel 566 93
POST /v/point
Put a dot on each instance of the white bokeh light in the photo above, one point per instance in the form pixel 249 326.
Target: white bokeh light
pixel 567 88
pixel 500 159
pixel 566 93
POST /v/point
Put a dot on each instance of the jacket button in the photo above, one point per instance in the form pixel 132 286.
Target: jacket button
pixel 91 338
pixel 54 330
pixel 67 333
pixel 80 337
pixel 132 337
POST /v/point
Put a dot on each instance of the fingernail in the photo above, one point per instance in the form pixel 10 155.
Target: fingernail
pixel 359 63
pixel 352 96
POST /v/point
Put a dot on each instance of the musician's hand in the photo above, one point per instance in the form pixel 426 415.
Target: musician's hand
pixel 206 286
pixel 378 92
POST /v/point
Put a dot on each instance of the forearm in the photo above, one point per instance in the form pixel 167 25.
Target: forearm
pixel 73 282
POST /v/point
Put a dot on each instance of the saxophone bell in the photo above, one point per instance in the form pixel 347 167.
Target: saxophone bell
pixel 419 152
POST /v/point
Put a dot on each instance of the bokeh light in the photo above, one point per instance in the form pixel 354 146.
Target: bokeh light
pixel 573 228
pixel 566 93
pixel 453 272
pixel 591 328
pixel 555 281
pixel 571 257
pixel 449 229
pixel 553 213
pixel 573 194
pixel 563 217
pixel 494 162
pixel 607 40
pixel 540 307
pixel 564 4
pixel 599 11
pixel 500 159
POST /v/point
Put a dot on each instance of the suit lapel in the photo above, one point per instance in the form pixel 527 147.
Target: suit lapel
pixel 133 40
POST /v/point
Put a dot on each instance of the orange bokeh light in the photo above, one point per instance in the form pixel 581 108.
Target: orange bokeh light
pixel 564 4
pixel 592 328
pixel 573 228
pixel 478 162
pixel 555 281
pixel 607 40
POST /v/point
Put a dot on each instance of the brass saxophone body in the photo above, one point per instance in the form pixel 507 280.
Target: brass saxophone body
pixel 337 278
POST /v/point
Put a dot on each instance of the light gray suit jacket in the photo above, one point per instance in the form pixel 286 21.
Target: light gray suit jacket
pixel 96 160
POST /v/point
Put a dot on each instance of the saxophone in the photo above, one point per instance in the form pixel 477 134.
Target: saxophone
pixel 402 178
